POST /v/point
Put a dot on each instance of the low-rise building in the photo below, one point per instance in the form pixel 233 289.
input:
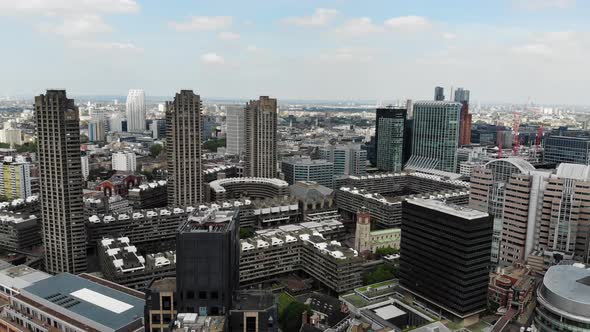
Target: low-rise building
pixel 149 196
pixel 249 187
pixel 70 303
pixel 143 227
pixel 120 262
pixel 512 287
pixel 19 231
pixel 276 252
pixel 14 278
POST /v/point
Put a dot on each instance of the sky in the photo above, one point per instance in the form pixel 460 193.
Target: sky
pixel 502 50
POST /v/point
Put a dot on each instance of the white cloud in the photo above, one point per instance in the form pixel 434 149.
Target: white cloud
pixel 358 27
pixel 95 45
pixel 253 48
pixel 212 58
pixel 408 23
pixel 61 7
pixel 543 4
pixel 228 35
pixel 321 17
pixel 78 26
pixel 203 23
pixel 449 36
pixel 347 54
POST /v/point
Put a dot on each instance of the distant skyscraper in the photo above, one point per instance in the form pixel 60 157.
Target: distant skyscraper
pixel 261 138
pixel 183 149
pixel 96 131
pixel 85 166
pixel 60 173
pixel 445 244
pixel 235 130
pixel 439 93
pixel 135 110
pixel 410 109
pixel 435 135
pixel 462 96
pixel 389 137
pixel 116 123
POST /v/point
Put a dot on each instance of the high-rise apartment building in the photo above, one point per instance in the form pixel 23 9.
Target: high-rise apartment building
pixel 300 169
pixel 348 159
pixel 135 110
pixel 439 93
pixel 389 137
pixel 261 138
pixel 116 123
pixel 124 161
pixel 234 136
pixel 564 149
pixel 436 135
pixel 462 96
pixel 60 174
pixel 445 253
pixel 15 180
pixel 183 149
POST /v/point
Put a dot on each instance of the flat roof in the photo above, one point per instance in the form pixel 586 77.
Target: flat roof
pixel 18 277
pixel 75 296
pixel 389 311
pixel 567 287
pixel 452 209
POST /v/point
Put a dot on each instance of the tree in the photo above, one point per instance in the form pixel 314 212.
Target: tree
pixel 380 252
pixel 291 317
pixel 155 150
pixel 381 273
pixel 246 232
pixel 214 144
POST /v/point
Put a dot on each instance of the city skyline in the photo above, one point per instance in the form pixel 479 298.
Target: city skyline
pixel 353 52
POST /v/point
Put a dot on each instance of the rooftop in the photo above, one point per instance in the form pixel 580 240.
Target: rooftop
pixel 452 209
pixel 74 296
pixel 211 219
pixel 164 285
pixel 567 287
pixel 18 277
pixel 217 185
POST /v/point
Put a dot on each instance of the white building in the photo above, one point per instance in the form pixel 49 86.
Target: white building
pixel 85 167
pixel 11 136
pixel 348 159
pixel 124 161
pixel 235 143
pixel 135 110
pixel 116 123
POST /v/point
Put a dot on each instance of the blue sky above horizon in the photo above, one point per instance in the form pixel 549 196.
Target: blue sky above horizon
pixel 502 50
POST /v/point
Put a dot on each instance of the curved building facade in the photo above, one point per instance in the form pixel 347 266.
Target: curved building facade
pixel 564 299
pixel 253 188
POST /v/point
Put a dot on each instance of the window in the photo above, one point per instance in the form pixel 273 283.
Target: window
pixel 214 295
pixel 166 302
pixel 156 318
pixel 202 295
pixel 190 294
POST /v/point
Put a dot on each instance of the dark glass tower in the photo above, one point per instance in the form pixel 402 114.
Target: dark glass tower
pixel 207 262
pixel 390 131
pixel 445 254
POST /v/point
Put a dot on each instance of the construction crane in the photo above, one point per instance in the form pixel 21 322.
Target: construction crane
pixel 515 128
